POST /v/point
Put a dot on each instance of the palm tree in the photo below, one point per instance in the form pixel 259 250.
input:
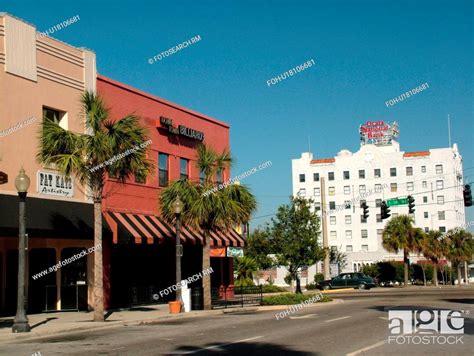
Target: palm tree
pixel 83 156
pixel 433 248
pixel 220 209
pixel 460 248
pixel 399 234
pixel 245 268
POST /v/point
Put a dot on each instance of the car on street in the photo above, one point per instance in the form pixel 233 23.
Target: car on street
pixel 348 280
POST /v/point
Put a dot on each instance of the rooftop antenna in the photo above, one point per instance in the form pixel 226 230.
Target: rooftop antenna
pixel 449 130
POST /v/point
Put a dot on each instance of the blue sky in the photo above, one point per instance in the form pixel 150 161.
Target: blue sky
pixel 366 52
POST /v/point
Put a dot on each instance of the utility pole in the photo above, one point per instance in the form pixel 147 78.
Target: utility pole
pixel 324 229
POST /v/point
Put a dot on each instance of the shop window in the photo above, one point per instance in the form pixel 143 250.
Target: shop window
pixel 163 167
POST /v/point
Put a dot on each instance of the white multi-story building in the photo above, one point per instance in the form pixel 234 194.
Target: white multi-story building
pixel 379 171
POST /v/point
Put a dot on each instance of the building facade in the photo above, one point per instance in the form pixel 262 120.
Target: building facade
pixel 380 171
pixel 42 79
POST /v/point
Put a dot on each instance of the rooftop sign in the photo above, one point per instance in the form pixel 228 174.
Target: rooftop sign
pixel 378 133
pixel 181 130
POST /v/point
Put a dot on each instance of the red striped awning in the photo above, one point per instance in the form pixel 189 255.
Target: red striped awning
pixel 149 229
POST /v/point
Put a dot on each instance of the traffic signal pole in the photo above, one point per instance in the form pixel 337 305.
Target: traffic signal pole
pixel 324 228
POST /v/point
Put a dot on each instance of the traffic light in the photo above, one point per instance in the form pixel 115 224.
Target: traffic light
pixel 365 210
pixel 384 211
pixel 411 205
pixel 467 195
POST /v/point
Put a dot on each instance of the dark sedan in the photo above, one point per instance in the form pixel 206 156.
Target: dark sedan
pixel 348 280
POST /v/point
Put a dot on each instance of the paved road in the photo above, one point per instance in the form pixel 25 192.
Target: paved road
pixel 349 326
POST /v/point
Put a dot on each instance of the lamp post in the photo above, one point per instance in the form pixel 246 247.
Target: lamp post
pixel 178 208
pixel 20 324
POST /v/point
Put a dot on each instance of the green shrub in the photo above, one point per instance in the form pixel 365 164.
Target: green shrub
pixel 311 286
pixel 290 299
pixel 269 288
pixel 318 277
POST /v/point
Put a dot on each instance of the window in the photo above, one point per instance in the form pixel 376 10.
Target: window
pixel 347 189
pixel 439 184
pixel 333 235
pixel 409 171
pixel 362 202
pixel 317 206
pixel 377 173
pixel 361 174
pixel 439 169
pixel 348 219
pixel 330 175
pixel 378 188
pixel 362 189
pixel 441 215
pixel 378 203
pixel 365 248
pixel 317 192
pixel 163 167
pixel 347 204
pixel 139 178
pixel 409 186
pixel 393 187
pixel 346 175
pixel 425 199
pixel 423 169
pixel 332 205
pixel 425 214
pixel 379 233
pixel 219 176
pixel 393 172
pixel 348 234
pixel 316 177
pixel 331 190
pixel 348 248
pixel 183 169
pixel 424 184
pixel 362 220
pixel 442 229
pixel 440 199
pixel 427 229
pixel 302 178
pixel 202 177
pixel 58 117
pixel 332 220
pixel 364 234
pixel 379 218
pixel 302 192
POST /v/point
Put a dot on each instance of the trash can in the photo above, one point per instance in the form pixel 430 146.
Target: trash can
pixel 197 302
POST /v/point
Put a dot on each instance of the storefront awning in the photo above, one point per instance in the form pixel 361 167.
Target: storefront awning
pixel 149 229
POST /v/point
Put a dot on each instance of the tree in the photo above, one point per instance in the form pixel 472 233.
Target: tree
pixel 208 206
pixel 399 234
pixel 84 156
pixel 339 257
pixel 295 233
pixel 433 248
pixel 259 247
pixel 459 248
pixel 245 268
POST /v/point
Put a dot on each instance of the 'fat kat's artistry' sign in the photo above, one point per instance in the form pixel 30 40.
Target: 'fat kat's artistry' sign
pixel 181 130
pixel 54 184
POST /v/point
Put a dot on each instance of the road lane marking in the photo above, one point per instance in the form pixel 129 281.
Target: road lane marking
pixel 217 346
pixel 344 317
pixel 303 316
pixel 380 343
pixel 383 318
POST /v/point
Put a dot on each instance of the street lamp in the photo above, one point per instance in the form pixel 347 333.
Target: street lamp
pixel 20 324
pixel 177 206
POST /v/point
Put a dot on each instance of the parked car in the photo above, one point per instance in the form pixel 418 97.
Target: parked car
pixel 348 280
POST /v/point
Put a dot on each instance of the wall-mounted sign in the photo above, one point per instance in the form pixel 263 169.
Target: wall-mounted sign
pixel 378 133
pixel 217 252
pixel 181 129
pixel 48 183
pixel 235 252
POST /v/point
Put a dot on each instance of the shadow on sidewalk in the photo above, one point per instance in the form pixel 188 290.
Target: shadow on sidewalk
pixel 244 348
